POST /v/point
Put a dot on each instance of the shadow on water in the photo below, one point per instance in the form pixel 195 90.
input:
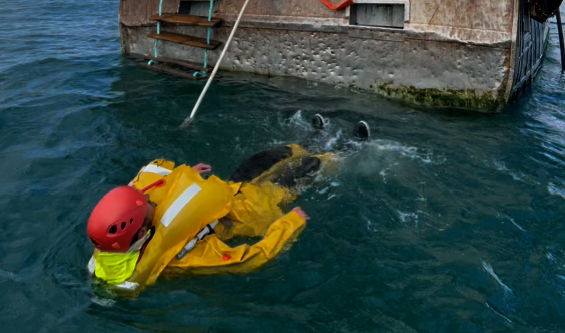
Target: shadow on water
pixel 443 222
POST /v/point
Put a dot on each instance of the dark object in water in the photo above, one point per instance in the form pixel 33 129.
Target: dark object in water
pixel 299 168
pixel 362 131
pixel 542 10
pixel 561 43
pixel 259 163
pixel 318 121
pixel 308 166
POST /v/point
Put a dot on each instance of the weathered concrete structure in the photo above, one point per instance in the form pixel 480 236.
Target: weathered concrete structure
pixel 474 54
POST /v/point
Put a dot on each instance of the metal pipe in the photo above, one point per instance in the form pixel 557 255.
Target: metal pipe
pixel 561 43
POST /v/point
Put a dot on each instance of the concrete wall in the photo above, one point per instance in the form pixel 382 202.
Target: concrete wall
pixel 464 14
pixel 451 52
pixel 484 16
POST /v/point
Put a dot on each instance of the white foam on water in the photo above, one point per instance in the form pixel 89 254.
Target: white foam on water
pixel 323 190
pixel 500 166
pixel 421 198
pixel 551 257
pixel 504 216
pixel 556 189
pixel 331 142
pixel 382 173
pixel 296 118
pixel 408 217
pixel 370 225
pixel 398 150
pixel 516 175
pixel 107 303
pixel 488 268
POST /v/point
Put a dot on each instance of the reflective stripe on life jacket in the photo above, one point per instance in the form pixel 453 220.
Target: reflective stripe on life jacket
pixel 156 170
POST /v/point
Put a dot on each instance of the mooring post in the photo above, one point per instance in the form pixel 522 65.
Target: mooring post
pixel 561 43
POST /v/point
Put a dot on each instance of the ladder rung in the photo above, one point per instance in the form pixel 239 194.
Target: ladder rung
pixel 186 19
pixel 171 71
pixel 184 39
pixel 185 64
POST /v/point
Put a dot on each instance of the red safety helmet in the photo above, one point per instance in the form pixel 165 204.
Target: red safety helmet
pixel 116 219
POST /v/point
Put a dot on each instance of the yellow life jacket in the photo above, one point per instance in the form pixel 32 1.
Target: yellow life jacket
pixel 185 205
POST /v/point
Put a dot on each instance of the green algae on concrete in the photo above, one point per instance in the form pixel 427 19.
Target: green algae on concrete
pixel 484 101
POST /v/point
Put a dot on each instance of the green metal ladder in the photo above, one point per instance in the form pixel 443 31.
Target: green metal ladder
pixel 186 69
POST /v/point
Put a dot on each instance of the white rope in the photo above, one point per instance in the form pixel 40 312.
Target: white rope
pixel 189 119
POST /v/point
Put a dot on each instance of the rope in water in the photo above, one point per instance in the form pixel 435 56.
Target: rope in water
pixel 190 118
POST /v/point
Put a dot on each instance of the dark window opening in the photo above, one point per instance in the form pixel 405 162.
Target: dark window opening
pixel 526 15
pixel 379 15
pixel 198 8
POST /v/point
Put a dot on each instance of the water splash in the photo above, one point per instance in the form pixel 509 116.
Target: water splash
pixel 323 190
pixel 297 119
pixel 105 302
pixel 372 227
pixel 500 166
pixel 426 156
pixel 408 217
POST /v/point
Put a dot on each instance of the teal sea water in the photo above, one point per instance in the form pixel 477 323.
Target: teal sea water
pixel 444 222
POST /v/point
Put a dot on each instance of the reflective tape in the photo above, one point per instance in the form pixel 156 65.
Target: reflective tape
pixel 179 204
pixel 156 170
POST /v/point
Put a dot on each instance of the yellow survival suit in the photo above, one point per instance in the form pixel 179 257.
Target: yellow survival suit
pixel 188 207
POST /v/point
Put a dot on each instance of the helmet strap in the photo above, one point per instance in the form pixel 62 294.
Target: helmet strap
pixel 136 247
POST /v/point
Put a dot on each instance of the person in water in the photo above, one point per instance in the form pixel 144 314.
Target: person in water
pixel 170 221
